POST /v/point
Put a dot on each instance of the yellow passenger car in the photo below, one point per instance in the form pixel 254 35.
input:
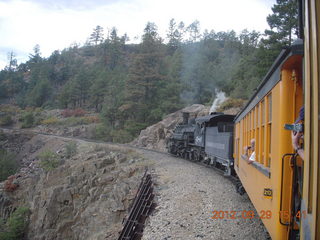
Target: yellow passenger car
pixel 310 203
pixel 284 188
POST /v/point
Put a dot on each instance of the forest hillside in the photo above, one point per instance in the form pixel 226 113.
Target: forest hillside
pixel 132 86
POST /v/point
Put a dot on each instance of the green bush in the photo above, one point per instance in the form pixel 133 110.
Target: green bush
pixel 3 136
pixel 50 121
pixel 6 120
pixel 121 136
pixel 71 149
pixel 134 128
pixel 231 103
pixel 8 164
pixel 16 225
pixel 49 160
pixel 102 132
pixel 27 120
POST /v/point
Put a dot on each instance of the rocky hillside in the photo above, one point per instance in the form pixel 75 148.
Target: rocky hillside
pixel 84 194
pixel 154 136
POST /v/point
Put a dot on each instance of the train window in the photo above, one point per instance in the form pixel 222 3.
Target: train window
pixel 257 147
pixel 269 145
pixel 261 142
pixel 262 133
pixel 269 127
pixel 254 118
pixel 237 151
pixel 263 111
pixel 244 129
pixel 257 132
pixel 269 107
pixel 258 115
pixel 225 127
pixel 252 124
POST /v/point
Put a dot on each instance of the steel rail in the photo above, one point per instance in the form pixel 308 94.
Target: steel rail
pixel 141 208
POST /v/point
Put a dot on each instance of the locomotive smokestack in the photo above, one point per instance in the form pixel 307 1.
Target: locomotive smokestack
pixel 185 118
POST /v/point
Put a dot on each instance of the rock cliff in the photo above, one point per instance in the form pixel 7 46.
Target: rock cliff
pixel 85 197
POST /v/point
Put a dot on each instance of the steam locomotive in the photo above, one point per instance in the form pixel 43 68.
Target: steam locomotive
pixel 207 139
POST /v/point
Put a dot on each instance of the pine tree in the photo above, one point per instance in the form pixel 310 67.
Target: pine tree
pixel 12 62
pixel 96 36
pixel 145 76
pixel 174 35
pixel 283 24
pixel 194 31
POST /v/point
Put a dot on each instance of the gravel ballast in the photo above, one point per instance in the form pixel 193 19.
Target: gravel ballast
pixel 186 196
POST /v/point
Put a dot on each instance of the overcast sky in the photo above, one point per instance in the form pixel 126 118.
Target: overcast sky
pixel 56 24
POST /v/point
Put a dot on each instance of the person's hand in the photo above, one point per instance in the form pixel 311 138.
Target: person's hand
pixel 246 149
pixel 295 139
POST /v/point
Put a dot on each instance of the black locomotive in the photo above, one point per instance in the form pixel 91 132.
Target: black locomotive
pixel 207 139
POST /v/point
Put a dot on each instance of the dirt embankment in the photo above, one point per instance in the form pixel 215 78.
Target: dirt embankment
pixel 85 197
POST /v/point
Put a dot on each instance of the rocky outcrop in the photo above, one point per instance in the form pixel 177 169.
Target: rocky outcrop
pixel 154 137
pixel 81 131
pixel 13 141
pixel 86 197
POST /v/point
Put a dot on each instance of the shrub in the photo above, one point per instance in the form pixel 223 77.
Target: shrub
pixel 8 164
pixel 71 149
pixel 6 120
pixel 73 113
pixel 27 120
pixel 231 103
pixel 92 119
pixel 3 136
pixel 121 136
pixel 66 113
pixel 50 121
pixel 102 132
pixel 6 108
pixel 16 225
pixel 79 112
pixel 74 121
pixel 11 184
pixel 49 160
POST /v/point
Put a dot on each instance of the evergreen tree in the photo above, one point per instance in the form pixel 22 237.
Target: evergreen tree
pixel 96 36
pixel 146 76
pixel 174 35
pixel 194 31
pixel 283 27
pixel 40 93
pixel 12 62
pixel 98 90
pixel 36 56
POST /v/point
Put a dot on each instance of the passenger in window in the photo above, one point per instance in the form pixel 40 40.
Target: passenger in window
pixel 297 137
pixel 252 158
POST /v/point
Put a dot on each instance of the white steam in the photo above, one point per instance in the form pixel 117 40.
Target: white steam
pixel 220 98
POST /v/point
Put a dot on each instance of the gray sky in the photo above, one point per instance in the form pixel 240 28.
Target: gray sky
pixel 56 24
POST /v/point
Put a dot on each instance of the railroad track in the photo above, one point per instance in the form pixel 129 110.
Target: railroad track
pixel 84 139
pixel 142 206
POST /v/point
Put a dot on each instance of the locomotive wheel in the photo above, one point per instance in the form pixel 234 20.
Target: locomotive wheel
pixel 196 156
